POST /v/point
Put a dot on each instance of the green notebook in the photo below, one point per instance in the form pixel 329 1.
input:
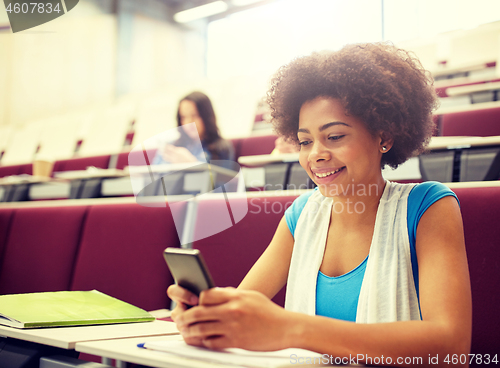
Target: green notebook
pixel 67 308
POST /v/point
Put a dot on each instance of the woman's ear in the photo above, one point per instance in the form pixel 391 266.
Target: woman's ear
pixel 386 142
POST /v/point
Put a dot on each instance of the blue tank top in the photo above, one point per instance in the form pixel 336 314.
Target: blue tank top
pixel 337 297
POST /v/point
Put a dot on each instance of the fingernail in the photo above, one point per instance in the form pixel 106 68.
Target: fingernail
pixel 193 300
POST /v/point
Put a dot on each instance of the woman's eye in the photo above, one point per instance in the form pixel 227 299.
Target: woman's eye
pixel 335 137
pixel 303 143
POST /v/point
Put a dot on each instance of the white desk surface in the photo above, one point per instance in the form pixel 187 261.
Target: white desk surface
pixel 260 160
pixel 23 179
pixel 465 90
pixel 461 142
pixel 67 337
pixel 469 107
pixel 455 82
pixel 458 69
pixel 126 350
pixel 89 174
pixel 191 166
pixel 62 176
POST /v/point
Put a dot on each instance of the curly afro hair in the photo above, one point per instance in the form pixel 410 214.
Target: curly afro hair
pixel 386 87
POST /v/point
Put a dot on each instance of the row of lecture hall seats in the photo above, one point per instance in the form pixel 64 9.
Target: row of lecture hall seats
pixel 441 90
pixel 116 247
pixel 474 122
pixel 255 145
pixel 480 123
pixel 446 165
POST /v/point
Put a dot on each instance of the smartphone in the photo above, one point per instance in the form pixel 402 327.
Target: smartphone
pixel 188 269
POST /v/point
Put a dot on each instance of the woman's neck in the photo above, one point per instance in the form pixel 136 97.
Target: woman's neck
pixel 356 202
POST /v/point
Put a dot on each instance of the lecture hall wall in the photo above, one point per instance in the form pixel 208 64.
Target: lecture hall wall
pixel 73 63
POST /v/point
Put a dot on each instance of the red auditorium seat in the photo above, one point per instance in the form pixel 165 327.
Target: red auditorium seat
pixel 122 249
pixel 41 248
pixel 81 163
pixel 10 170
pixel 257 145
pixel 122 160
pixel 26 169
pixel 480 211
pixel 231 253
pixel 5 220
pixel 481 123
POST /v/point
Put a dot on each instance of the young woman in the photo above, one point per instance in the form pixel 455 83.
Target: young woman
pixel 372 267
pixel 197 117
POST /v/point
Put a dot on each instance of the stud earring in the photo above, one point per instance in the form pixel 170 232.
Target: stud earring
pixel 384 148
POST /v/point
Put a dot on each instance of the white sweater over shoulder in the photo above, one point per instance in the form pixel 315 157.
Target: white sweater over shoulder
pixel 388 291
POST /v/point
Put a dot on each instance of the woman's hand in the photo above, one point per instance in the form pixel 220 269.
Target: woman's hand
pixel 227 317
pixel 174 154
pixel 183 298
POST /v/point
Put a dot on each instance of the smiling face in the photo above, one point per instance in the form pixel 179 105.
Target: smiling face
pixel 188 114
pixel 337 150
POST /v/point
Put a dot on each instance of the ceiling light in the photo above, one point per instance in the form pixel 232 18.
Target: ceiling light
pixel 199 12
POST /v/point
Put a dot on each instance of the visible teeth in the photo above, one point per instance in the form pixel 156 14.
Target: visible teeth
pixel 324 175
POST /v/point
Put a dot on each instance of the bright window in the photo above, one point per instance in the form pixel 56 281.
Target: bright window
pixel 263 38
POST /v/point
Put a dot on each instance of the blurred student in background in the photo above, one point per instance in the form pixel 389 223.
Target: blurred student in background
pixel 196 117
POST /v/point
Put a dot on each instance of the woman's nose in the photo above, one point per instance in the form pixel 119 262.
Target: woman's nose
pixel 318 152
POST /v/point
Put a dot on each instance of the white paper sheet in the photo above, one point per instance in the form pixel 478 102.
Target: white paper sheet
pixel 240 357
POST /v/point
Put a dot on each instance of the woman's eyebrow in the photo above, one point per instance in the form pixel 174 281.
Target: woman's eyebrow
pixel 325 126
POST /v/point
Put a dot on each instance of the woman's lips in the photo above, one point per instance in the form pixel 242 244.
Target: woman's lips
pixel 327 176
